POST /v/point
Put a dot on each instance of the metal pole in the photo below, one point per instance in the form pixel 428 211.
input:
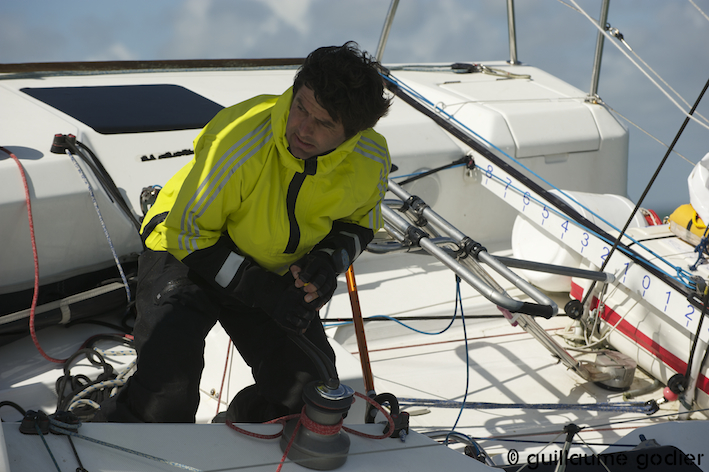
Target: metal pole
pixel 440 224
pixel 599 49
pixel 512 32
pixel 555 269
pixel 401 225
pixel 385 31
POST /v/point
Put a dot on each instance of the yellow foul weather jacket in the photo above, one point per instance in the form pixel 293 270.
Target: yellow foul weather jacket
pixel 274 207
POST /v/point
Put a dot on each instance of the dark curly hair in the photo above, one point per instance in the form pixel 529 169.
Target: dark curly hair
pixel 347 84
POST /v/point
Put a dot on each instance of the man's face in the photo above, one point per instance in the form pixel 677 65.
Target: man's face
pixel 310 130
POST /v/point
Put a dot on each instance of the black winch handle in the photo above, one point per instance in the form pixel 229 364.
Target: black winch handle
pixel 534 309
pixel 323 364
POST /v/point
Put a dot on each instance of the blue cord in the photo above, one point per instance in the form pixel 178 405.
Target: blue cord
pixel 701 247
pixel 41 435
pixel 391 318
pixel 681 276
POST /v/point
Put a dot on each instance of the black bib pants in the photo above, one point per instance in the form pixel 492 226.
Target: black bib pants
pixel 175 313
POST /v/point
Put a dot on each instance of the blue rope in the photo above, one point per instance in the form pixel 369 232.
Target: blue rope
pixel 682 276
pixel 39 432
pixel 701 247
pixel 391 318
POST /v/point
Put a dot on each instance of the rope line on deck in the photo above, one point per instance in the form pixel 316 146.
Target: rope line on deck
pixel 623 407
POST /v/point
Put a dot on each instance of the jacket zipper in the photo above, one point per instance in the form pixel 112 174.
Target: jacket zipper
pixel 296 183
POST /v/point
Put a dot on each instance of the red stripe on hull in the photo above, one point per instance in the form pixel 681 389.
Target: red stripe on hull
pixel 632 332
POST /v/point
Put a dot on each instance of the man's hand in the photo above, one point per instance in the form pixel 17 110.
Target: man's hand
pixel 289 311
pixel 275 295
pixel 316 275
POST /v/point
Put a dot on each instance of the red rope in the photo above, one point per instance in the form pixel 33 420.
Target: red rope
pixel 36 260
pixel 325 430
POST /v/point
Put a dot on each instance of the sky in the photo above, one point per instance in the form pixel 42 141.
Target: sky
pixel 671 36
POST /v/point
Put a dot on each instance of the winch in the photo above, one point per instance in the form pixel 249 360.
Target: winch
pixel 316 439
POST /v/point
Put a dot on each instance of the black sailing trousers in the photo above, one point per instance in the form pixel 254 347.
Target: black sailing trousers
pixel 175 313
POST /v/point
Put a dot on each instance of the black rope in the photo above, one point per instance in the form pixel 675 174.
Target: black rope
pixel 99 171
pixel 410 318
pixel 14 405
pixel 647 188
pixel 462 160
pixel 75 384
pixel 705 299
pixel 473 143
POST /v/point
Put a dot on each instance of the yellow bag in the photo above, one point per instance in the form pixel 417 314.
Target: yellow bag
pixel 687 225
pixel 687 218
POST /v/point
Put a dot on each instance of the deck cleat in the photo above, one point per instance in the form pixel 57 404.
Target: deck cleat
pixel 35 422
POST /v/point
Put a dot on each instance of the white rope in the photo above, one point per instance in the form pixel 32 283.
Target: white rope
pixel 92 388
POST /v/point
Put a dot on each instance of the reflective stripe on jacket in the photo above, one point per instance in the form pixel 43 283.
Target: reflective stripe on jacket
pixel 275 207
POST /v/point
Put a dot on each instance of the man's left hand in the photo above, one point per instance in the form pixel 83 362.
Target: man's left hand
pixel 316 274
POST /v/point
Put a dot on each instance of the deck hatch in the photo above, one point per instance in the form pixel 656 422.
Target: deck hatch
pixel 119 109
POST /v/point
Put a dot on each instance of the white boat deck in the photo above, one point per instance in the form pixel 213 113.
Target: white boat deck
pixel 506 366
pixel 212 447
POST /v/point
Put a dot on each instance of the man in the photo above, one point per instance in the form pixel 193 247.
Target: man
pixel 245 235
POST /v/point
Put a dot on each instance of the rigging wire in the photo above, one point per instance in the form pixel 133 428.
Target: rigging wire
pixel 650 135
pixel 103 225
pixel 587 428
pixel 625 53
pixel 617 34
pixel 621 407
pixel 682 276
pixel 700 10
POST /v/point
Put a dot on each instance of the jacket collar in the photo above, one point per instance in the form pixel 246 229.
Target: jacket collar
pixel 326 162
